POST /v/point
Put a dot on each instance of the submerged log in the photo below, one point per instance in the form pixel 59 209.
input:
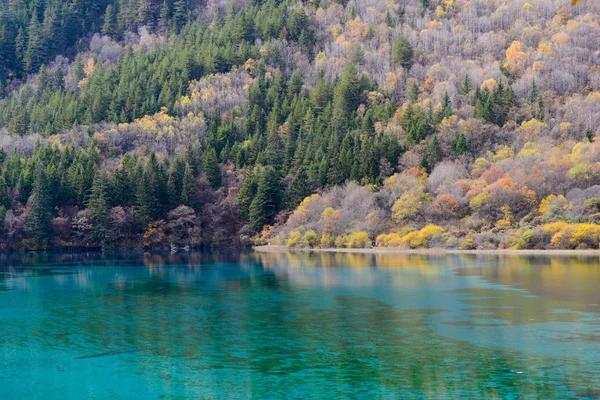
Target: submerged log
pixel 122 350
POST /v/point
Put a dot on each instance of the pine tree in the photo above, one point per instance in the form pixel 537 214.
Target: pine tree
pixel 533 93
pixel 446 106
pixel 58 81
pixel 540 108
pixel 211 169
pixel 175 182
pixel 20 51
pixel 465 86
pixel 432 154
pixel 346 100
pixel 39 215
pixel 146 205
pixel 267 200
pixel 98 206
pixel 388 19
pixel 189 193
pixel 53 32
pixel 110 21
pixel 413 94
pixel 180 12
pixel 403 53
pixel 163 19
pixel 300 188
pixel 589 134
pixel 460 145
pixel 247 194
pixel 36 47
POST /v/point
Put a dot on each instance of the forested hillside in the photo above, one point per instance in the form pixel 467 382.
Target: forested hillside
pixel 415 123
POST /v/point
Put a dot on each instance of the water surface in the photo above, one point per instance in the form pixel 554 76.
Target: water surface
pixel 267 326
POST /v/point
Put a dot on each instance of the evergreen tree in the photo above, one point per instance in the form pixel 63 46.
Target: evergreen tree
pixel 110 25
pixel 432 154
pixel 388 19
pixel 446 106
pixel 180 12
pixel 460 145
pixel 403 53
pixel 146 205
pixel 211 169
pixel 533 93
pixel 189 192
pixel 300 188
pixel 540 108
pixel 20 52
pixel 175 181
pixel 39 215
pixel 346 100
pixel 465 86
pixel 267 200
pixel 98 206
pixel 247 194
pixel 589 134
pixel 413 94
pixel 163 19
pixel 36 47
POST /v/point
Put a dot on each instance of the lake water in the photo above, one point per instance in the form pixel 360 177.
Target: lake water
pixel 282 326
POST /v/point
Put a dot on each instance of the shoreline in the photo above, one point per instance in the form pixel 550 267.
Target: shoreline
pixel 392 251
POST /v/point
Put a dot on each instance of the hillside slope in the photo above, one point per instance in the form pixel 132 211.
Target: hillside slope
pixel 460 124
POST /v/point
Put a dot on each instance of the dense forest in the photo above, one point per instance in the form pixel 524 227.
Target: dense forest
pixel 464 124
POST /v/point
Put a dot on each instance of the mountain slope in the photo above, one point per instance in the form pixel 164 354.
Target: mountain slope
pixel 478 117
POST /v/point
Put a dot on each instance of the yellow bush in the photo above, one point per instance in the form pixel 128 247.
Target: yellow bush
pixel 481 165
pixel 545 203
pixel 560 240
pixel 395 240
pixel 327 241
pixel 341 241
pixel 503 153
pixel 359 240
pixel 505 222
pixel 478 200
pixel 565 236
pixel 381 239
pixel 553 227
pixel 294 239
pixel 310 239
pixel 467 244
pixel 585 234
pixel 414 240
pixel 420 239
pixel 431 230
pixel 520 240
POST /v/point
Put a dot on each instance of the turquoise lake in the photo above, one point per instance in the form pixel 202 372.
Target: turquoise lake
pixel 298 326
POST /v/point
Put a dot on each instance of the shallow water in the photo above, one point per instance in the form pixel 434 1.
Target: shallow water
pixel 251 325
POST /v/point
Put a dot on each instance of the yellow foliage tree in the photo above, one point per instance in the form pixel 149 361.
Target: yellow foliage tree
pixel 516 57
pixel 359 240
pixel 406 207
